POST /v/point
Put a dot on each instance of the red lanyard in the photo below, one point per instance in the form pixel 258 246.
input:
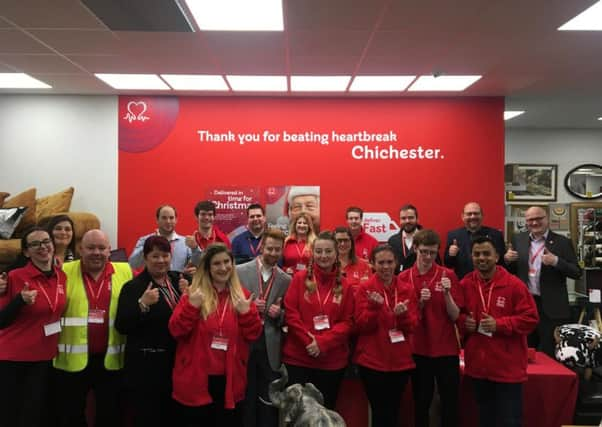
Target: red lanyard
pixel 432 280
pixel 300 252
pixel 325 299
pixel 221 319
pixel 263 295
pixel 387 299
pixel 485 307
pixel 56 295
pixel 537 252
pixel 170 296
pixel 254 250
pixel 91 295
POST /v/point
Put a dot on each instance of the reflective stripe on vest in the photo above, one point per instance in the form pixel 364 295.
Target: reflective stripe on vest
pixel 79 321
pixel 78 349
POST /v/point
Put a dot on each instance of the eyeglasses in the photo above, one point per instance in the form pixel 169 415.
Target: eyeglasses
pixel 536 219
pixel 427 252
pixel 37 244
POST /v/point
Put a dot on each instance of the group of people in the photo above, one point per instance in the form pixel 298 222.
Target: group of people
pixel 197 334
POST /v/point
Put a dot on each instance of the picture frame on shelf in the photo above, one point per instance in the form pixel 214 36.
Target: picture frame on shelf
pixel 530 182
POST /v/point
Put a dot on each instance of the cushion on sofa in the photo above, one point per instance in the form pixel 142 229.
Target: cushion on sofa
pixel 3 196
pixel 54 204
pixel 28 200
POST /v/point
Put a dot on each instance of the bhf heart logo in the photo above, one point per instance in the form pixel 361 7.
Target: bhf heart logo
pixel 145 122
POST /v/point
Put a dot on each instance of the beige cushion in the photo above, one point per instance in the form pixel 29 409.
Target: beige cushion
pixel 28 199
pixel 54 204
pixel 3 196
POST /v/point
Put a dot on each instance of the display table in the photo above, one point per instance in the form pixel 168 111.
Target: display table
pixel 549 398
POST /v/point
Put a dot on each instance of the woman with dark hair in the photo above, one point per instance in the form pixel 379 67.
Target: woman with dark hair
pixel 297 246
pixel 61 231
pixel 319 308
pixel 30 312
pixel 355 269
pixel 145 306
pixel 385 316
pixel 213 325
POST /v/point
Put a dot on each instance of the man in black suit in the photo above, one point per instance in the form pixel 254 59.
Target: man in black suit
pixel 543 260
pixel 458 251
pixel 403 242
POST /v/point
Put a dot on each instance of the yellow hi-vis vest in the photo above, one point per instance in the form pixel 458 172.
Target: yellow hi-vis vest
pixel 73 341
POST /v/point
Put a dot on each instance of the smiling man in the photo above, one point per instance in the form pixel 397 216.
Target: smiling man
pixel 403 242
pixel 458 252
pixel 245 246
pixel 364 242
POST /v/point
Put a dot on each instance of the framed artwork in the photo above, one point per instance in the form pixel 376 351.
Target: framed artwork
pixel 530 182
pixel 515 218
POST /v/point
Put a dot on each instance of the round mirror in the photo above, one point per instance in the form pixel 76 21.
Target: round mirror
pixel 585 181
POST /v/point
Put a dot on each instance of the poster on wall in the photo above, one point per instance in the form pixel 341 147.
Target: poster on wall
pixel 375 153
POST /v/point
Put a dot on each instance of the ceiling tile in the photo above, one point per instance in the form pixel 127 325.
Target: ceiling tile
pixel 40 64
pixel 327 42
pixel 15 41
pixel 352 15
pixel 49 14
pixel 79 41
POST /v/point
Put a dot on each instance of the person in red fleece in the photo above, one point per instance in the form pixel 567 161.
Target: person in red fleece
pixel 318 313
pixel 385 316
pixel 364 243
pixel 436 348
pixel 30 310
pixel 499 313
pixel 213 325
pixel 297 246
pixel 355 270
pixel 207 232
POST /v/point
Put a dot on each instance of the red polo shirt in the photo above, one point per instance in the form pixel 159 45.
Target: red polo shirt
pixel 216 236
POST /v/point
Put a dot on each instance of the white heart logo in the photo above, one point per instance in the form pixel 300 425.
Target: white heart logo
pixel 136 109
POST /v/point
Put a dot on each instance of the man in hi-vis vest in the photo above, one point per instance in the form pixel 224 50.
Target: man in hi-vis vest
pixel 91 351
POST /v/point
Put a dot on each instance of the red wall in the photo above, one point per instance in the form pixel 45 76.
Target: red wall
pixel 162 160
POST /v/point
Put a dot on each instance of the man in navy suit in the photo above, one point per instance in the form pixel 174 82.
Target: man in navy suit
pixel 543 260
pixel 459 242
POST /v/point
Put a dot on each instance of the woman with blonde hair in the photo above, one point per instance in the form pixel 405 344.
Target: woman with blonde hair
pixel 213 325
pixel 319 307
pixel 297 246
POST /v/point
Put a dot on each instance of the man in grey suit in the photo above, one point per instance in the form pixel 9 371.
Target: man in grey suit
pixel 264 278
pixel 543 260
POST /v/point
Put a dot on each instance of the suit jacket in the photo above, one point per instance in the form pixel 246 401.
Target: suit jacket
pixel 462 263
pixel 554 295
pixel 272 328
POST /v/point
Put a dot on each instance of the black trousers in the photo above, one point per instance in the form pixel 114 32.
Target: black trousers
pixel 446 371
pixel 259 376
pixel 500 404
pixel 72 391
pixel 542 338
pixel 384 391
pixel 328 382
pixel 24 393
pixel 214 414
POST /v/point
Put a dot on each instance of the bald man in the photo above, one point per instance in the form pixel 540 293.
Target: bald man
pixel 91 351
pixel 459 242
pixel 544 260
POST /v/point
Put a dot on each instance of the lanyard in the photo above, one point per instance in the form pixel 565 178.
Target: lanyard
pixel 533 257
pixel 94 297
pixel 263 295
pixel 199 239
pixel 387 299
pixel 320 300
pixel 254 250
pixel 432 280
pixel 56 295
pixel 300 251
pixel 170 296
pixel 485 307
pixel 221 319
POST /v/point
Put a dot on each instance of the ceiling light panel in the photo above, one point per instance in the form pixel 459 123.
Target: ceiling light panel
pixel 512 114
pixel 257 83
pixel 443 83
pixel 381 83
pixel 588 20
pixel 237 15
pixel 21 81
pixel 133 81
pixel 195 82
pixel 319 83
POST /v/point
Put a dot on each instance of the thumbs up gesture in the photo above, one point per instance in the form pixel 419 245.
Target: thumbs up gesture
pixel 191 242
pixel 453 248
pixel 3 283
pixel 274 310
pixel 470 323
pixel 488 323
pixel 243 305
pixel 195 298
pixel 150 295
pixel 401 307
pixel 29 296
pixel 511 255
pixel 549 258
pixel 183 284
pixel 445 282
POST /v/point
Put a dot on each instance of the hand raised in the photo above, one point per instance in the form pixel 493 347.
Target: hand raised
pixel 183 284
pixel 511 255
pixel 425 295
pixel 243 305
pixel 470 324
pixel 196 297
pixel 453 248
pixel 150 295
pixel 548 258
pixel 29 296
pixel 191 242
pixel 445 282
pixel 401 307
pixel 275 309
pixel 375 297
pixel 260 303
pixel 488 323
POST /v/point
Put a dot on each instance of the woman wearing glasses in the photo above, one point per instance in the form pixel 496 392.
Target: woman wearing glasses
pixel 30 312
pixel 355 270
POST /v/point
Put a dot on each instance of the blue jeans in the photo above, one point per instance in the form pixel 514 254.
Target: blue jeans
pixel 500 404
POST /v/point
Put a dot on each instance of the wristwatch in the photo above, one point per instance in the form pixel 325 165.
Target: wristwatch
pixel 143 307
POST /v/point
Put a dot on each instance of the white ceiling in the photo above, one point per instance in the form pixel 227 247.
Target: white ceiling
pixel 514 44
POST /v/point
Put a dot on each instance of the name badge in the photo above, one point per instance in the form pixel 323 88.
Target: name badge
pixel 300 267
pixel 532 272
pixel 481 331
pixel 395 335
pixel 52 328
pixel 321 322
pixel 96 316
pixel 219 343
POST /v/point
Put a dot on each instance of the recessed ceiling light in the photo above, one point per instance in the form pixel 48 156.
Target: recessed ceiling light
pixel 380 83
pixel 443 83
pixel 319 83
pixel 257 83
pixel 21 81
pixel 133 81
pixel 599 118
pixel 195 82
pixel 588 20
pixel 511 114
pixel 237 15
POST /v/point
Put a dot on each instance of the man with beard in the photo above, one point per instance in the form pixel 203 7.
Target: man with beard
pixel 245 246
pixel 499 313
pixel 403 242
pixel 265 279
pixel 458 248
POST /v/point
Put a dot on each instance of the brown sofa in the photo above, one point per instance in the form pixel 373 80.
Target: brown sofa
pixel 39 211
